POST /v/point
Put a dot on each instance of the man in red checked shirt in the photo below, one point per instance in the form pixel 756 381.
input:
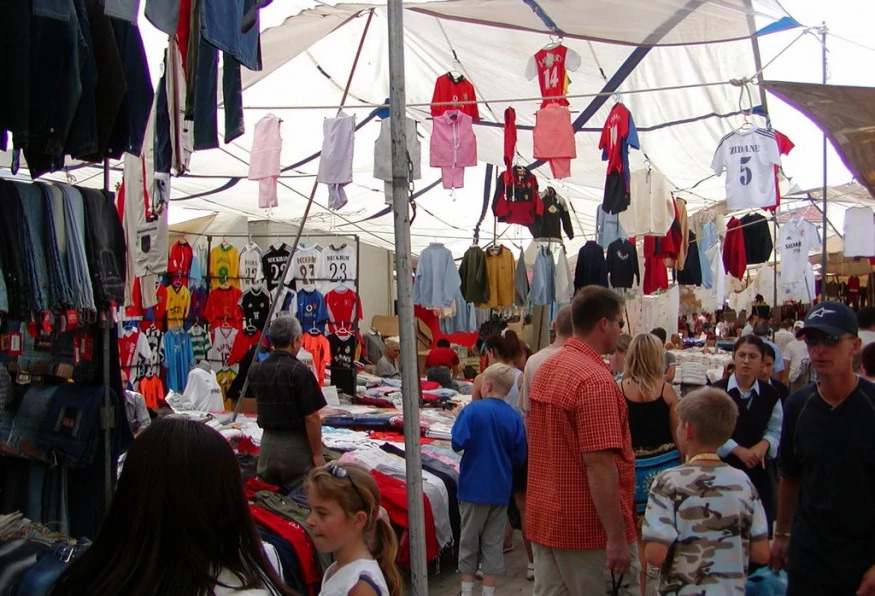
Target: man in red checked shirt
pixel 579 498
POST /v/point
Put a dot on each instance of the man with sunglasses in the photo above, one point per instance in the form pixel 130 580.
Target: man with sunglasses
pixel 825 528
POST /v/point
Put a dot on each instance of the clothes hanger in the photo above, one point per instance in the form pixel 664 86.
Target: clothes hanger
pixel 224 242
pixel 554 42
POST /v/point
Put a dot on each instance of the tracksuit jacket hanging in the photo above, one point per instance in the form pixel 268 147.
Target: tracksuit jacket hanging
pixel 517 199
pixel 453 147
pixel 547 225
pixel 591 267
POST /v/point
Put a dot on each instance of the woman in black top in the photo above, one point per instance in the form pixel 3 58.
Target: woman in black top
pixel 652 419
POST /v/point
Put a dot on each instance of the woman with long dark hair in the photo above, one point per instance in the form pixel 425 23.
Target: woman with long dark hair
pixel 179 523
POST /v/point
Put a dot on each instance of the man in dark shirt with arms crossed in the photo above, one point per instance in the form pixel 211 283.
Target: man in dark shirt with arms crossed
pixel 825 528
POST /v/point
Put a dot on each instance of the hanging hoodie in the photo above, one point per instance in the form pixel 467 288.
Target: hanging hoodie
pixel 383 154
pixel 335 165
pixel 453 147
pixel 555 213
pixel 264 159
pixel 517 199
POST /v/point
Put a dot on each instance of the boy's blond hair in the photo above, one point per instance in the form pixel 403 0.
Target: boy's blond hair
pixel 711 412
pixel 501 377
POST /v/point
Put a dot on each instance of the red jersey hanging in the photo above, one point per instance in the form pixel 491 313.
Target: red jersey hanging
pixel 449 88
pixel 551 66
pixel 785 146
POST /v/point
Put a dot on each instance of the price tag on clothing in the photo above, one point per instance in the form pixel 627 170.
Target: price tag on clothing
pixel 86 347
pixel 71 319
pixel 14 347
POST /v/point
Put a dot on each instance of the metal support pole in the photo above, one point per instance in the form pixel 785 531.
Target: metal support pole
pixel 404 270
pixel 108 414
pixel 758 64
pixel 823 255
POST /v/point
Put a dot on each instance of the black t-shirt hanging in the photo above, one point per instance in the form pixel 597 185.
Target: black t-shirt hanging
pixel 342 350
pixel 273 262
pixel 757 238
pixel 255 303
pixel 622 263
pixel 691 274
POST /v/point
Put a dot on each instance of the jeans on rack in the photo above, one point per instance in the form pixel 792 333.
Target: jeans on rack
pixel 105 246
pixel 232 94
pixel 206 95
pixel 125 10
pixel 15 74
pixel 55 88
pixel 77 259
pixel 163 14
pixel 131 123
pixel 61 10
pixel 82 138
pixel 14 258
pixel 33 227
pixel 55 243
pixel 221 25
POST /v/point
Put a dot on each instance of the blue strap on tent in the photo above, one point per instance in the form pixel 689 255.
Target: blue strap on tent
pixel 545 18
pixel 782 24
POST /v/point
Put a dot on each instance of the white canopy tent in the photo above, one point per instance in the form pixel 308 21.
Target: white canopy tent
pixel 689 49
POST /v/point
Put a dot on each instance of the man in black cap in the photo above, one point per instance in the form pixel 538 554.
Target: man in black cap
pixel 825 528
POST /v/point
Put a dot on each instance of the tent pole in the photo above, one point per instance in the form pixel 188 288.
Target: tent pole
pixel 274 303
pixel 823 250
pixel 404 270
pixel 758 64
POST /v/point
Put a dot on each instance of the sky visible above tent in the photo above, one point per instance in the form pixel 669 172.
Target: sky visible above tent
pixel 308 49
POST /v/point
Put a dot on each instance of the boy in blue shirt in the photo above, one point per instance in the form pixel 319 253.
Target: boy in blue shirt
pixel 492 435
pixel 704 519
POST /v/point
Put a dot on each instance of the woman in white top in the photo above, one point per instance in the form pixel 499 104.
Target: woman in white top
pixel 347 521
pixel 179 523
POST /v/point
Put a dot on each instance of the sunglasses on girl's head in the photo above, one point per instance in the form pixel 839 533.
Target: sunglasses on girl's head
pixel 815 340
pixel 340 472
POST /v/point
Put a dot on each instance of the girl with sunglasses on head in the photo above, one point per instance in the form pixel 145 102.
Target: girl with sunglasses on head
pixel 347 521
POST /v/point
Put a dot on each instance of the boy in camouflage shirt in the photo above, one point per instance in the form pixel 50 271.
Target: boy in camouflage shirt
pixel 704 519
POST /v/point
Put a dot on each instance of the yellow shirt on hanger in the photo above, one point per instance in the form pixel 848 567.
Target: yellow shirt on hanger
pixel 178 304
pixel 500 266
pixel 224 264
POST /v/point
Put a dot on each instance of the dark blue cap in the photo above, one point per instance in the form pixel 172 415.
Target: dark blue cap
pixel 832 318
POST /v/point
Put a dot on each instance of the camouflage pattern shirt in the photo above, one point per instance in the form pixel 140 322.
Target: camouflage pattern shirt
pixel 708 515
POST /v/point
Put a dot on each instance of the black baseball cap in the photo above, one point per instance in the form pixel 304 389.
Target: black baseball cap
pixel 832 318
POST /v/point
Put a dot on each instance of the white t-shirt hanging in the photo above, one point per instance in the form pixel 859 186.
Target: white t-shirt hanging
pixel 796 239
pixel 250 272
pixel 749 158
pixel 307 264
pixel 338 266
pixel 859 232
pixel 650 211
